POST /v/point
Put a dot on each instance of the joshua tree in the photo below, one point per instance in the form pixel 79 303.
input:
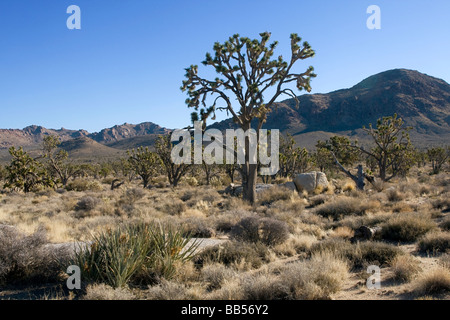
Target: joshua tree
pixel 174 171
pixel 144 163
pixel 56 160
pixel 249 75
pixel 25 173
pixel 393 147
pixel 438 156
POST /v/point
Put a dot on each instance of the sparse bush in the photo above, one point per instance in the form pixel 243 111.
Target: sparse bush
pixel 83 185
pixel 197 228
pixel 433 282
pixel 87 203
pixel 104 292
pixel 360 254
pixel 445 224
pixel 168 290
pixel 275 193
pixel 405 267
pixel 445 260
pixel 343 207
pixel 26 259
pixel 266 230
pixel 173 207
pixel 393 195
pixel 407 227
pixel 215 275
pixel 234 253
pixel 317 200
pixel 437 242
pixel 264 287
pixel 317 278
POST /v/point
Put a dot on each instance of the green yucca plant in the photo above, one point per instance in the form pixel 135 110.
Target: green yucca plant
pixel 115 256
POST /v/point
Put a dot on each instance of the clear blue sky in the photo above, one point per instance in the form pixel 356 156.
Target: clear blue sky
pixel 127 62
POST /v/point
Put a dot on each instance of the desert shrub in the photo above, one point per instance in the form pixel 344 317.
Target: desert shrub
pixel 442 203
pixel 197 228
pixel 444 260
pixel 173 207
pixel 359 255
pixel 342 207
pixel 83 185
pixel 316 278
pixel 405 268
pixel 215 275
pixel 275 193
pixel 317 200
pixel 264 287
pixel 266 230
pixel 104 292
pixel 116 256
pixel 26 258
pixel 394 195
pixel 233 253
pixel 87 203
pixel 295 244
pixel 134 194
pixel 445 224
pixel 169 290
pixel 407 227
pixel 436 242
pixel 433 282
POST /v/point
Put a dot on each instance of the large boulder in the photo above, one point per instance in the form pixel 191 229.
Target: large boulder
pixel 310 181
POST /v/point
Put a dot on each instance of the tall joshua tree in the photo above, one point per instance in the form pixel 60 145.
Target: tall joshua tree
pixel 247 74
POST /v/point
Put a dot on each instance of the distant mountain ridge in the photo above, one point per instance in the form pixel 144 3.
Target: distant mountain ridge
pixel 422 101
pixel 34 135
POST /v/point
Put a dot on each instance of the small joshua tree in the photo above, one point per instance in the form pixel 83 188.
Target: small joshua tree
pixel 144 163
pixel 438 157
pixel 174 171
pixel 25 173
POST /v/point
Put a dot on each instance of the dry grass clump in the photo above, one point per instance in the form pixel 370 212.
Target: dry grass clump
pixel 444 260
pixel 26 258
pixel 405 268
pixel 433 282
pixel 83 185
pixel 343 232
pixel 394 195
pixel 171 290
pixel 317 278
pixel 343 206
pixel 172 206
pixel 407 227
pixel 295 244
pixel 264 286
pixel 445 224
pixel 197 228
pixel 360 254
pixel 435 242
pixel 215 275
pixel 102 291
pixel 317 200
pixel 265 230
pixel 234 254
pixel 276 193
pixel 87 203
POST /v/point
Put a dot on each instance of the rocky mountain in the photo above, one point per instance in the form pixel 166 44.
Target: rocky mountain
pixel 421 100
pixel 32 136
